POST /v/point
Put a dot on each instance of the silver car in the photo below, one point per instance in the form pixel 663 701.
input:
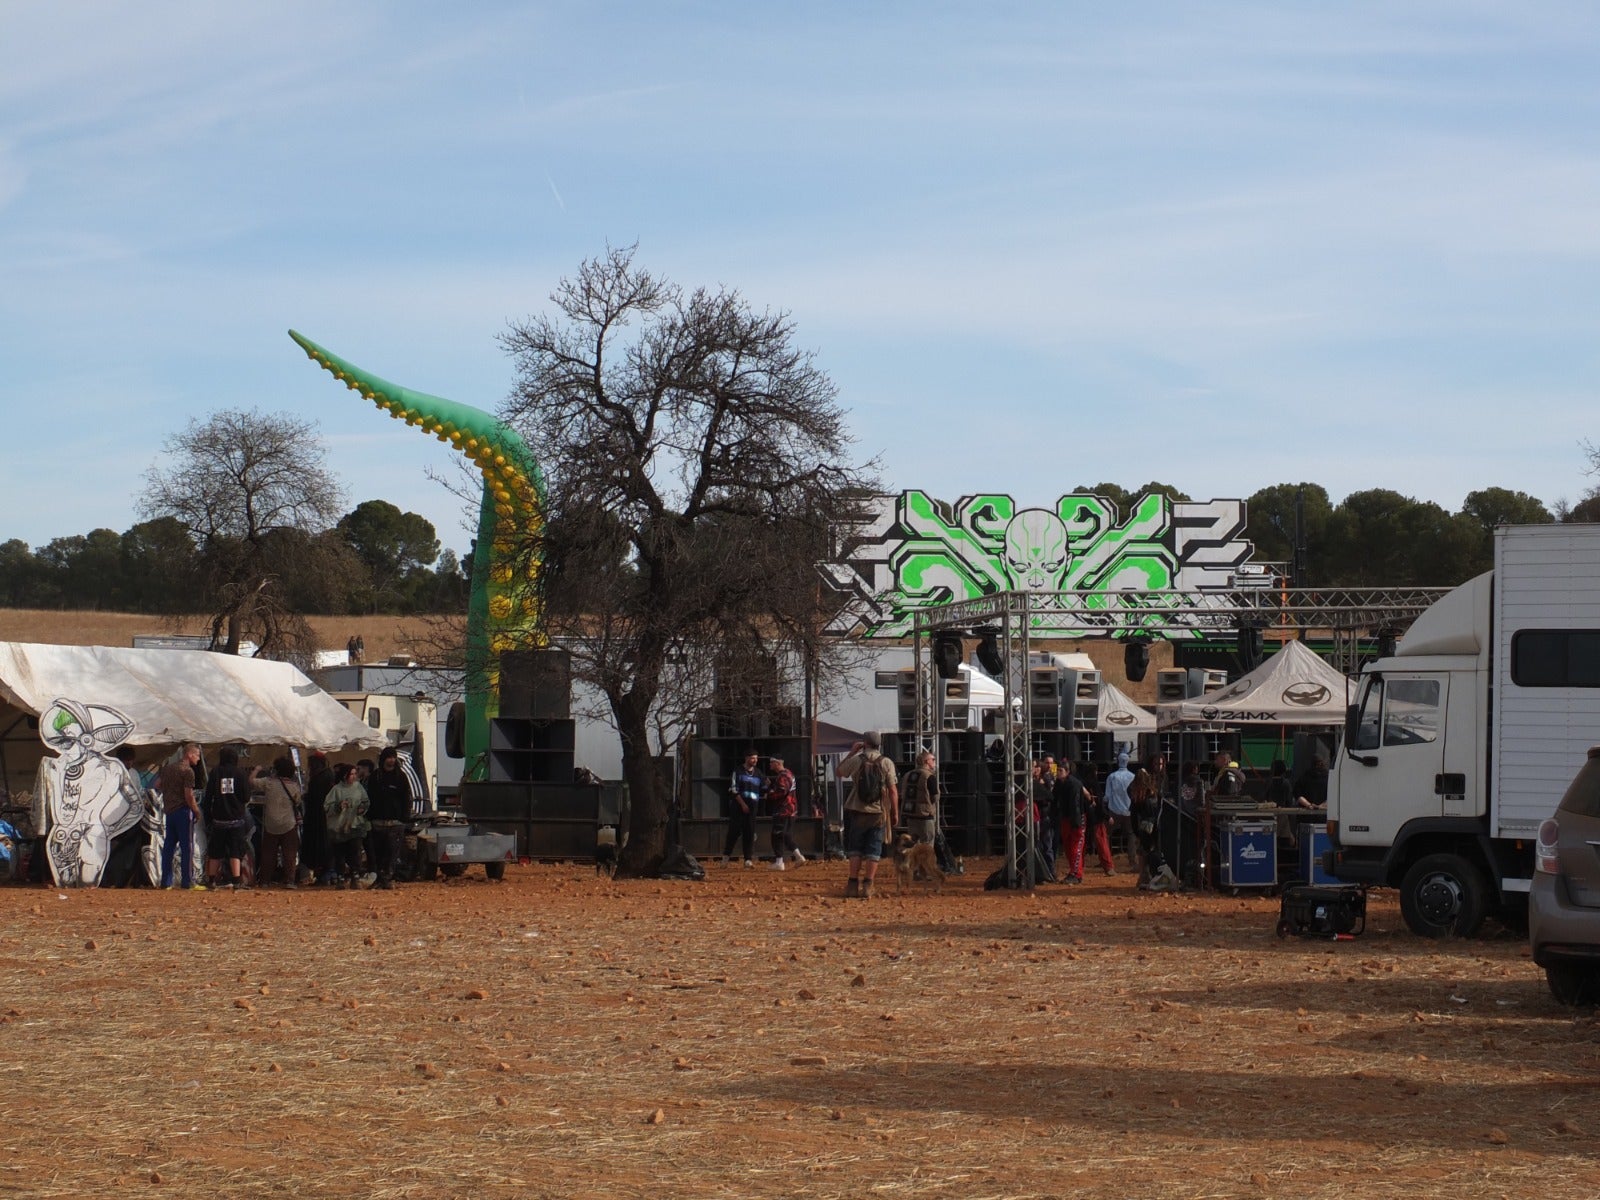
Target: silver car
pixel 1564 902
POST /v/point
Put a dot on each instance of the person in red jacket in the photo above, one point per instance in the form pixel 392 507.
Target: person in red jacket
pixel 782 804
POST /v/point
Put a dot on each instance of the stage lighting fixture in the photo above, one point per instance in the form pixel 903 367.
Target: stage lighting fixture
pixel 1252 647
pixel 1136 658
pixel 948 654
pixel 988 653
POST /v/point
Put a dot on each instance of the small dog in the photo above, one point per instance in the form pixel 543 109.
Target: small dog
pixel 910 857
pixel 605 851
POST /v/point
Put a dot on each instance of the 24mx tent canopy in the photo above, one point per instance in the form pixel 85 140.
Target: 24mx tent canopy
pixel 1118 713
pixel 1293 687
pixel 172 696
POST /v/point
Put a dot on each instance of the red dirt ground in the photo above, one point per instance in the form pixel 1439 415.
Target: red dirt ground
pixel 561 1034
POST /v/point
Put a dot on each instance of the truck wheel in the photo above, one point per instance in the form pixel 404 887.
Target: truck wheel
pixel 1443 894
pixel 495 870
pixel 1573 983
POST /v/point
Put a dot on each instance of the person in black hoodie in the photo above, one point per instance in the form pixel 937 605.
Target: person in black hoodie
pixel 390 791
pixel 315 855
pixel 226 799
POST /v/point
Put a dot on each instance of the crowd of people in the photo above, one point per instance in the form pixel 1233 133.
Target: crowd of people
pixel 342 826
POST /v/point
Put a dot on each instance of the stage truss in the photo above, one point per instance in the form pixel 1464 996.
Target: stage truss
pixel 1347 615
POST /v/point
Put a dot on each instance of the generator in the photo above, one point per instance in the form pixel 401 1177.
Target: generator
pixel 1313 910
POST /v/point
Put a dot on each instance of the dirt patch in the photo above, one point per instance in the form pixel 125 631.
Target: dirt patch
pixel 560 1034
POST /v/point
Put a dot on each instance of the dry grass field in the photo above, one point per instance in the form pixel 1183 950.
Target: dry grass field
pixel 382 635
pixel 561 1034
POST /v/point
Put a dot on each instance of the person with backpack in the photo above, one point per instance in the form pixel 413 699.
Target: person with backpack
pixel 919 798
pixel 871 809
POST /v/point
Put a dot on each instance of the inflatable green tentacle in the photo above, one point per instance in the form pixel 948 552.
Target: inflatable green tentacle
pixel 503 608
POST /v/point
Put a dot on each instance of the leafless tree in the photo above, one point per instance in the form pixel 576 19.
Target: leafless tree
pixel 255 492
pixel 695 459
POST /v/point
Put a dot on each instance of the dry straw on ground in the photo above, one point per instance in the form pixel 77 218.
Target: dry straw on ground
pixel 562 1034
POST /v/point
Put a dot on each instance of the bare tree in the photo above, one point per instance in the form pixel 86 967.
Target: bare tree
pixel 695 460
pixel 255 492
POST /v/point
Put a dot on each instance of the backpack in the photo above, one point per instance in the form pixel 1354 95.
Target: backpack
pixel 869 783
pixel 915 802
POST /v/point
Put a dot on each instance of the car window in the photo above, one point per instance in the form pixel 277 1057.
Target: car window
pixel 1583 796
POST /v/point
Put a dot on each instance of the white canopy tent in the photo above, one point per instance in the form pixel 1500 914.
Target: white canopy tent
pixel 172 696
pixel 1293 687
pixel 1118 713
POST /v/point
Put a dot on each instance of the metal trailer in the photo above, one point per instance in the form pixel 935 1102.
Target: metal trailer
pixel 449 847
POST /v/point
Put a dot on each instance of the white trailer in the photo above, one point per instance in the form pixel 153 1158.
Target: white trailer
pixel 1459 745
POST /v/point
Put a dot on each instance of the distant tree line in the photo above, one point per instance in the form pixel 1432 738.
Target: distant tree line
pixel 1377 538
pixel 378 559
pixel 375 559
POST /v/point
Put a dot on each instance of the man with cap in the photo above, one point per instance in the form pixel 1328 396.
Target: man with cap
pixel 782 804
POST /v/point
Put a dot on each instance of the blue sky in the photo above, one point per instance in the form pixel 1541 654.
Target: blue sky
pixel 1223 245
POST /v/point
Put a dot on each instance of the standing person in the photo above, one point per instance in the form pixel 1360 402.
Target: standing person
pixel 346 809
pixel 279 798
pixel 177 798
pixel 872 807
pixel 1069 799
pixel 1154 873
pixel 1119 807
pixel 227 806
pixel 1044 783
pixel 919 798
pixel 1094 819
pixel 314 856
pixel 783 805
pixel 744 790
pixel 389 808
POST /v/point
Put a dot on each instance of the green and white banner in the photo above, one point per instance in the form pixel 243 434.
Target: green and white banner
pixel 917 551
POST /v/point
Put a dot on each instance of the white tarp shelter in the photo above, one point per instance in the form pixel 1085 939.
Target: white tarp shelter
pixel 172 696
pixel 1118 713
pixel 1293 687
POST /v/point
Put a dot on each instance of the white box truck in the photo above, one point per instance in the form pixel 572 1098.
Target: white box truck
pixel 1459 745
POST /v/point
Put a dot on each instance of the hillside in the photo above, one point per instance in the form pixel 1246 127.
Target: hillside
pixel 383 636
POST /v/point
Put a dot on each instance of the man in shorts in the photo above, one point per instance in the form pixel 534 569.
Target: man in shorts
pixel 871 810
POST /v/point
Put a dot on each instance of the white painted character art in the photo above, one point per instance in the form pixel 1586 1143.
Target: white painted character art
pixel 83 797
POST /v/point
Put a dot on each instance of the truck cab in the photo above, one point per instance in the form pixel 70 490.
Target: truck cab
pixel 1407 793
pixel 1462 742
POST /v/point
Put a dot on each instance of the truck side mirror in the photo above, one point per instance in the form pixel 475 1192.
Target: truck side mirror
pixel 1352 714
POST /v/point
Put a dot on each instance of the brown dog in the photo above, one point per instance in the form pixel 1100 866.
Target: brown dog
pixel 912 856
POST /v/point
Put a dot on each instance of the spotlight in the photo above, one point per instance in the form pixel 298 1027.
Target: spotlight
pixel 948 653
pixel 988 653
pixel 1136 658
